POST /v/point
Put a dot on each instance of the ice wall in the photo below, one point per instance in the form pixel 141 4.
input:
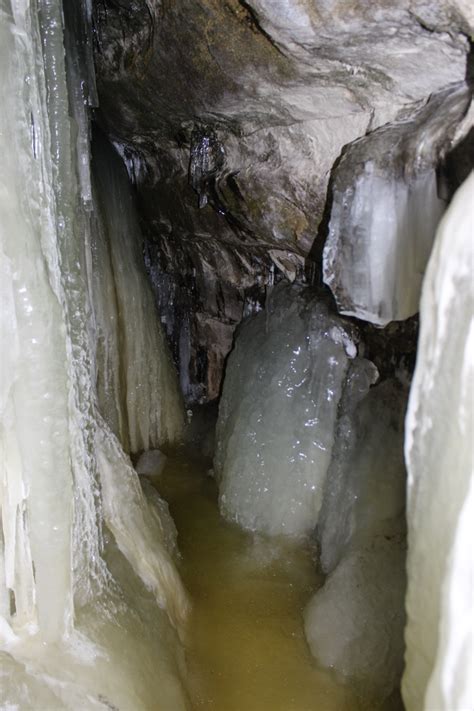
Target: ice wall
pixel 37 476
pixel 439 454
pixel 278 413
pixel 80 546
pixel 354 623
pixel 385 211
pixel 137 382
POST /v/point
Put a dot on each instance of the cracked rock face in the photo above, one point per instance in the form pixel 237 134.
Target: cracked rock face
pixel 230 116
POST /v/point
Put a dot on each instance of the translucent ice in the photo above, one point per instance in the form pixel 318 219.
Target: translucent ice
pixel 278 411
pixel 439 454
pixel 385 211
pixel 364 494
pixel 376 275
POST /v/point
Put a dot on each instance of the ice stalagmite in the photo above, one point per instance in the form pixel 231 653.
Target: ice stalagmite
pixel 278 413
pixel 439 454
pixel 80 546
pixel 354 624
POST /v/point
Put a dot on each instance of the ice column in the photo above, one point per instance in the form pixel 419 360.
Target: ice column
pixel 439 455
pixel 36 473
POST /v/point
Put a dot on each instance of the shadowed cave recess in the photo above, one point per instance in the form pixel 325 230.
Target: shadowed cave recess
pixel 236 397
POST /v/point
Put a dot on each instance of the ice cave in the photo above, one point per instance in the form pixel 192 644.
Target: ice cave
pixel 237 355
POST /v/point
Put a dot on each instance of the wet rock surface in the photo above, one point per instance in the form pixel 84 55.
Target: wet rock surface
pixel 230 116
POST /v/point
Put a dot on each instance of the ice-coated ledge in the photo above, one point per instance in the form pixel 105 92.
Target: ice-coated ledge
pixel 385 212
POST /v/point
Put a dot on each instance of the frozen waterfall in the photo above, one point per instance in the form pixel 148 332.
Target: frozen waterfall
pixel 85 571
pixel 137 382
pixel 361 531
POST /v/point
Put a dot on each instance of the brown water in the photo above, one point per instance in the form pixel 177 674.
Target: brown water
pixel 246 647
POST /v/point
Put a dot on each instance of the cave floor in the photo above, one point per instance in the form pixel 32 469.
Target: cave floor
pixel 246 649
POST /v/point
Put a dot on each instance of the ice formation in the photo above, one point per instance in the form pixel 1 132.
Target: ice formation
pixel 278 413
pixel 152 462
pixel 385 212
pixel 137 383
pixel 305 440
pixel 354 624
pixel 81 547
pixel 439 431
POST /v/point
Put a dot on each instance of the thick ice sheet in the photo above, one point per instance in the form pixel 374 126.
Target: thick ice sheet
pixel 439 455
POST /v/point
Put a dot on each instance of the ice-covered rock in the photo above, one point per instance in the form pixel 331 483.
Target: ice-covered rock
pixel 354 623
pixel 439 454
pixel 278 413
pixel 159 509
pixel 385 212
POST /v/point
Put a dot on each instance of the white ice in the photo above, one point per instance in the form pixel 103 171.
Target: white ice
pixel 278 412
pixel 439 455
pixel 354 623
pixel 90 599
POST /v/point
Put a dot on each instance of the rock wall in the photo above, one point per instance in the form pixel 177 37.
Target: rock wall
pixel 230 116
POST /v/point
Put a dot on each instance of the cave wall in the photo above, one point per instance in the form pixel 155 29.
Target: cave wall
pixel 231 117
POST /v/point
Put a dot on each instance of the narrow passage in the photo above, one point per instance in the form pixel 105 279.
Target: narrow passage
pixel 246 649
